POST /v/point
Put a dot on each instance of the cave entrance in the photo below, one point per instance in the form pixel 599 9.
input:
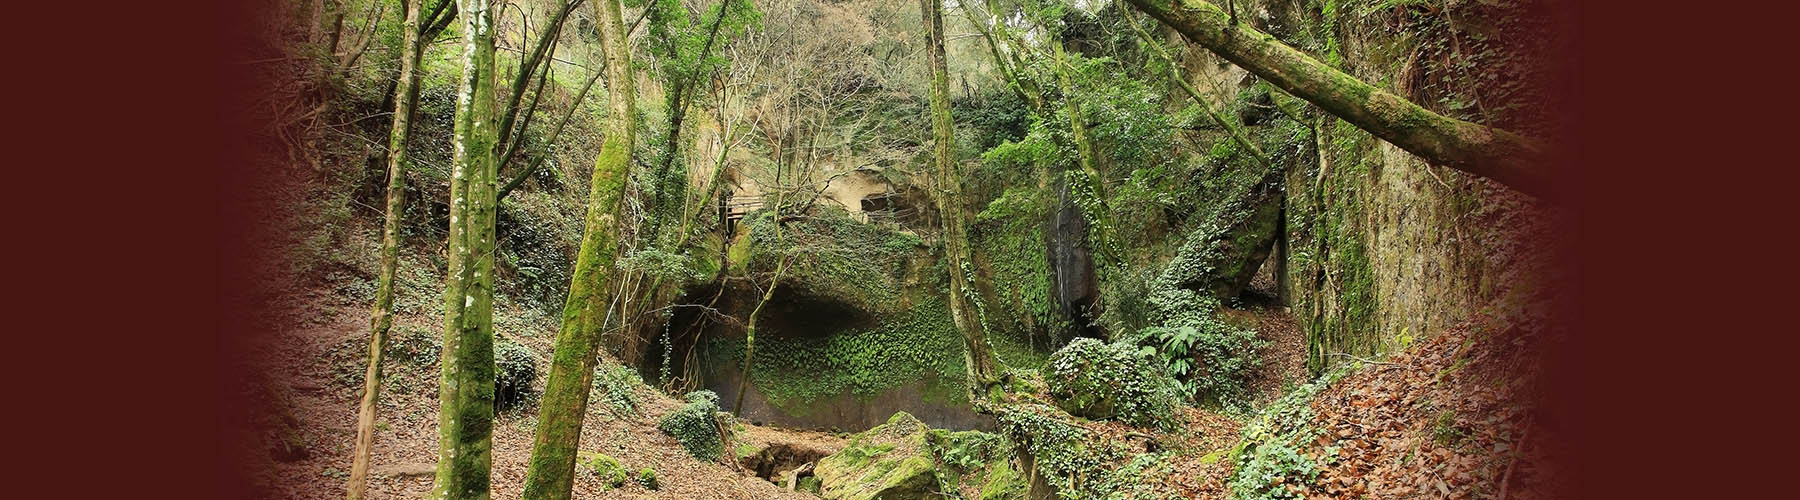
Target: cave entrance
pixel 791 312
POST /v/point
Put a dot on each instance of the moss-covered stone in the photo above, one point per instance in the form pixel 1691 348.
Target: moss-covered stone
pixel 1003 483
pixel 888 462
pixel 607 468
pixel 1097 380
pixel 647 478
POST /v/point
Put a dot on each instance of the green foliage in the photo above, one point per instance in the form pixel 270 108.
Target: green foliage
pixel 412 345
pixel 1074 463
pixel 1266 471
pixel 963 451
pixel 661 264
pixel 606 468
pixel 1213 358
pixel 1270 455
pixel 617 387
pixel 919 344
pixel 996 115
pixel 696 425
pixel 1094 379
pixel 514 372
pixel 833 254
pixel 539 235
pixel 1009 232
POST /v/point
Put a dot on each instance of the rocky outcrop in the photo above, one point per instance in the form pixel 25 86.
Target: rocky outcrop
pixel 888 462
pixel 904 459
pixel 1097 380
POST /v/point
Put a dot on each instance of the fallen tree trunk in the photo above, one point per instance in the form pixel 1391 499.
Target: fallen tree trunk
pixel 1496 154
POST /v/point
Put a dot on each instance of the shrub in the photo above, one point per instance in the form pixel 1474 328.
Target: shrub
pixel 514 372
pixel 617 387
pixel 1093 379
pixel 1212 359
pixel 696 425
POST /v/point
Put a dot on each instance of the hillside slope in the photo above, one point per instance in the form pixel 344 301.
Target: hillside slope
pixel 316 363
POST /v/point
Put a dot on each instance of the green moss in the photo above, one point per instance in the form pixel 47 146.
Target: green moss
pixel 1003 483
pixel 646 477
pixel 737 256
pixel 831 254
pixel 1009 236
pixel 606 468
pixel 1345 301
pixel 890 461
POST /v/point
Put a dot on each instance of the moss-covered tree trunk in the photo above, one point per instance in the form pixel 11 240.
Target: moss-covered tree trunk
pixel 1485 151
pixel 1222 256
pixel 466 392
pixel 1084 145
pixel 382 318
pixel 551 473
pixel 980 359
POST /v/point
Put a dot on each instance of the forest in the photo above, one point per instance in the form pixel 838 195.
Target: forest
pixel 865 250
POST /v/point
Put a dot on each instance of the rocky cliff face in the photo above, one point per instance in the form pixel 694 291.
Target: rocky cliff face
pixel 1381 247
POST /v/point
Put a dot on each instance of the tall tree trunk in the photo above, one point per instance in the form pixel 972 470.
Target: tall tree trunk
pixel 331 25
pixel 383 316
pixel 551 472
pixel 978 356
pixel 1489 152
pixel 466 392
pixel 1084 145
pixel 769 293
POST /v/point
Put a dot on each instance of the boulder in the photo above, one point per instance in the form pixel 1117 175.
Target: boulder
pixel 888 462
pixel 1096 380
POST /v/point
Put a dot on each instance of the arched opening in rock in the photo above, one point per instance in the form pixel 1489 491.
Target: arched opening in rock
pixel 777 462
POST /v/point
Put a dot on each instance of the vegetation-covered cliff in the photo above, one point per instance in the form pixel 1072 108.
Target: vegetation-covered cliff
pixel 987 249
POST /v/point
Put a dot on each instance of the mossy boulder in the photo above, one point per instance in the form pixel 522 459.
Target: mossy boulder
pixel 1098 380
pixel 1003 483
pixel 647 479
pixel 888 462
pixel 607 468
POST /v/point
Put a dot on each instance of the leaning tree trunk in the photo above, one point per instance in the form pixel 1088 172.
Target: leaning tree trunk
pixel 383 316
pixel 1489 152
pixel 466 391
pixel 980 359
pixel 551 474
pixel 1222 256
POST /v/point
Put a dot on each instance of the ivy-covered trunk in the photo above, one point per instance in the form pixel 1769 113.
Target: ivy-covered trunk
pixel 980 359
pixel 466 390
pixel 1489 152
pixel 551 473
pixel 382 318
